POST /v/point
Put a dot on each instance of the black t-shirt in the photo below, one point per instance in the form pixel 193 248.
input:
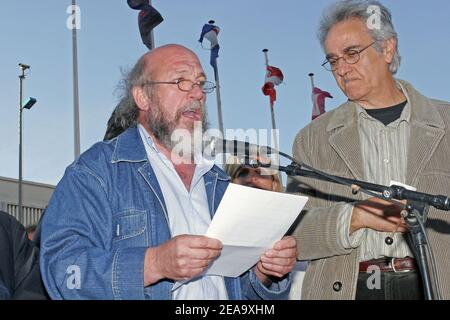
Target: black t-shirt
pixel 387 115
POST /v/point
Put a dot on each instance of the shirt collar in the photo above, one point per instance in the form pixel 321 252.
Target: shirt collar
pixel 203 165
pixel 405 115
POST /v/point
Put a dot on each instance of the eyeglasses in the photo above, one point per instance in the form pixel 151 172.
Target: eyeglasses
pixel 351 56
pixel 188 85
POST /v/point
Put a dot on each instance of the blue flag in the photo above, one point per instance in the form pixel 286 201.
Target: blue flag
pixel 210 32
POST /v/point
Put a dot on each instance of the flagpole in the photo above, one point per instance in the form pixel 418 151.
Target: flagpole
pixel 219 106
pixel 152 36
pixel 272 111
pixel 219 101
pixel 76 98
pixel 218 98
pixel 311 75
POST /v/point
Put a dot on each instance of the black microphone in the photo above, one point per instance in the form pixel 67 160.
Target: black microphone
pixel 216 145
pixel 438 201
pixel 24 66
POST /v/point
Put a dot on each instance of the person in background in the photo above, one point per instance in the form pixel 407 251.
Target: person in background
pixel 31 231
pixel 246 175
pixel 266 179
pixel 20 278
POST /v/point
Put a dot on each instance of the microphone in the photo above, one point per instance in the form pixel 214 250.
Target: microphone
pixel 24 66
pixel 438 201
pixel 216 145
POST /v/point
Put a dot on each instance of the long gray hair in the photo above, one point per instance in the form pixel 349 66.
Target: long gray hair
pixel 347 9
pixel 126 113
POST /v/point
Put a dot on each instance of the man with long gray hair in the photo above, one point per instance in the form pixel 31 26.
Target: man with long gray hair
pixel 387 131
pixel 125 114
pixel 127 220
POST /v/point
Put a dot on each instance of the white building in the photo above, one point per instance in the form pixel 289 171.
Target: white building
pixel 35 197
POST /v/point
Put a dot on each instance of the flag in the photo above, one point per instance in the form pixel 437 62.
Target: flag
pixel 274 77
pixel 148 19
pixel 210 32
pixel 138 4
pixel 318 98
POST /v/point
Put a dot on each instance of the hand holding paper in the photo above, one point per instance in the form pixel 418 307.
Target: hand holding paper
pixel 277 261
pixel 249 222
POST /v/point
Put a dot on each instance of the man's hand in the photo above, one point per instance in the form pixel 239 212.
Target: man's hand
pixel 278 261
pixel 181 258
pixel 377 214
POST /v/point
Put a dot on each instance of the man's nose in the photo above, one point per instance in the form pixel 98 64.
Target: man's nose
pixel 343 68
pixel 253 176
pixel 197 92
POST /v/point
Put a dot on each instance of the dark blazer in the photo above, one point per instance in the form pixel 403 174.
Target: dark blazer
pixel 19 262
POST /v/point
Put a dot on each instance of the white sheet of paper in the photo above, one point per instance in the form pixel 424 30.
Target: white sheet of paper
pixel 402 185
pixel 248 222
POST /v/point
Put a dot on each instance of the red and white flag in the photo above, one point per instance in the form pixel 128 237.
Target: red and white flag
pixel 274 77
pixel 318 98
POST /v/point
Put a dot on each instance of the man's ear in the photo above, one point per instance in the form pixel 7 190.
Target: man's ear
pixel 141 98
pixel 390 49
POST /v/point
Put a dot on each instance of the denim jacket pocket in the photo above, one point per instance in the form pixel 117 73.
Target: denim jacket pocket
pixel 129 224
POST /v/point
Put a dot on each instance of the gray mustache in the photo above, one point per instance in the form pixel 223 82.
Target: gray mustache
pixel 195 106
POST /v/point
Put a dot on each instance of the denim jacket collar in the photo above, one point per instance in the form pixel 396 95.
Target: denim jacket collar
pixel 129 147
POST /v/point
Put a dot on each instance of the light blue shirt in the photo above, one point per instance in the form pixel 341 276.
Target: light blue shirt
pixel 188 213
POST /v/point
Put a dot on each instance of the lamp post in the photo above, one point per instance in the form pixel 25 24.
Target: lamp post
pixel 28 105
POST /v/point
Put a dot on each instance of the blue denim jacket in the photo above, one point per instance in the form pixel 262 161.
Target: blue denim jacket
pixel 104 214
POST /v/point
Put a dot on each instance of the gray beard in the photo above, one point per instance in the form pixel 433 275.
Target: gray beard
pixel 163 129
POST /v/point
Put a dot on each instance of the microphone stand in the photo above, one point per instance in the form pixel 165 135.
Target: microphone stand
pixel 415 211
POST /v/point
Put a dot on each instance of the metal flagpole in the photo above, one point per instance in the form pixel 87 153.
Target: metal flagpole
pixel 219 105
pixel 219 101
pixel 274 127
pixel 311 75
pixel 152 36
pixel 76 98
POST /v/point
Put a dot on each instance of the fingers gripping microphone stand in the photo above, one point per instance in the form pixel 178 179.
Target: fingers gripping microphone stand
pixel 415 211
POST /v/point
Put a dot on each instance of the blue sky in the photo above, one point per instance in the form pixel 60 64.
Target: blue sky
pixel 35 33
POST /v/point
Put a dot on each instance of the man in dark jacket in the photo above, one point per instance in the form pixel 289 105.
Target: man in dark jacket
pixel 19 262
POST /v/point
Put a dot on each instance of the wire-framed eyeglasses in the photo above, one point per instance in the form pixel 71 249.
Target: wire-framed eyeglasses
pixel 351 56
pixel 187 85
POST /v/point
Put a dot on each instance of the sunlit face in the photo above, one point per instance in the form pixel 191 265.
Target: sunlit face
pixel 252 177
pixel 363 80
pixel 171 108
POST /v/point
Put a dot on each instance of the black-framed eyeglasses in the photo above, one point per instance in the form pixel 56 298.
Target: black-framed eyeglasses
pixel 187 85
pixel 351 56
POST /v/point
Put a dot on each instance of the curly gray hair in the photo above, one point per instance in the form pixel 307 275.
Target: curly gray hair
pixel 348 9
pixel 126 112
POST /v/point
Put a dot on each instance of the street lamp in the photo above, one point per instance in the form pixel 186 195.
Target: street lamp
pixel 28 105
